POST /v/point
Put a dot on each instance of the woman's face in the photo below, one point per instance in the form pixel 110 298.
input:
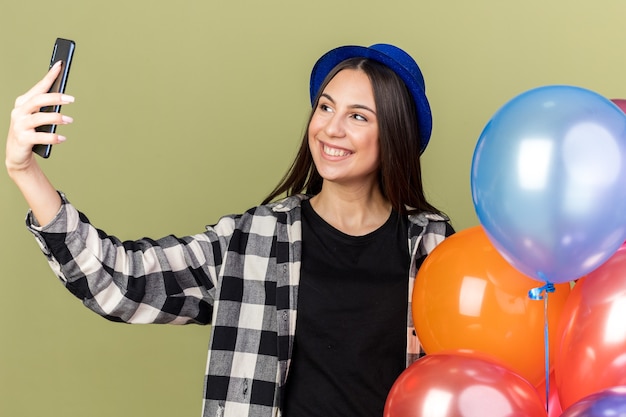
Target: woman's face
pixel 343 132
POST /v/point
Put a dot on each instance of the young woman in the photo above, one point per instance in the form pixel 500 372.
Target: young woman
pixel 308 293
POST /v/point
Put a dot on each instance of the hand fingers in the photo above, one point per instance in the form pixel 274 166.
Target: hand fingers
pixel 40 138
pixel 22 137
pixel 43 86
pixel 26 116
pixel 21 140
pixel 29 115
pixel 43 118
pixel 25 126
pixel 23 133
pixel 34 103
pixel 51 99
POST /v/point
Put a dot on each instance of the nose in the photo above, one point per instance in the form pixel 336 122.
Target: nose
pixel 334 127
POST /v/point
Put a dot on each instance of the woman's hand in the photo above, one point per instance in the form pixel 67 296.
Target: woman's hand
pixel 20 161
pixel 26 117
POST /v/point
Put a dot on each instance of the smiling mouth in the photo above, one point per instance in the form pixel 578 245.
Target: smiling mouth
pixel 334 151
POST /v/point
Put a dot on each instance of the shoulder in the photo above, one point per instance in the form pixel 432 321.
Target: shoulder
pixel 284 211
pixel 287 204
pixel 432 223
pixel 433 228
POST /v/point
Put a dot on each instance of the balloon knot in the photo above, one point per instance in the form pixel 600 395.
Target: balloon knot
pixel 537 293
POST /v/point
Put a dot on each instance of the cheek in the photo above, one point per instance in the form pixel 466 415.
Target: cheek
pixel 373 143
pixel 312 131
pixel 375 154
pixel 312 143
pixel 314 126
pixel 310 136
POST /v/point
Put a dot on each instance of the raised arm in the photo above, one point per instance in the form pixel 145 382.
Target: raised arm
pixel 20 161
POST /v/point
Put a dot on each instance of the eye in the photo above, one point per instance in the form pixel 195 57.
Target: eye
pixel 324 107
pixel 359 117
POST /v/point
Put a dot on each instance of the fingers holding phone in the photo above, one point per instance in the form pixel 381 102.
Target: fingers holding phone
pixel 27 117
pixel 40 120
pixel 62 55
pixel 44 85
pixel 23 135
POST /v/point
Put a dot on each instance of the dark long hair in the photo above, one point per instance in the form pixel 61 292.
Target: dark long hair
pixel 400 174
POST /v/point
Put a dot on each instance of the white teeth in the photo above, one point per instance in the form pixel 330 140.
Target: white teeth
pixel 335 152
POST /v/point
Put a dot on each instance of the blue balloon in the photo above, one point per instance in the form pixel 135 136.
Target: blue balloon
pixel 549 181
pixel 610 402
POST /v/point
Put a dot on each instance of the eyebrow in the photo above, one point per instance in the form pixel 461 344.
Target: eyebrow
pixel 354 106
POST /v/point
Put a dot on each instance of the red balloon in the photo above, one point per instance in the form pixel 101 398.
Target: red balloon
pixel 591 353
pixel 467 296
pixel 453 384
pixel 553 403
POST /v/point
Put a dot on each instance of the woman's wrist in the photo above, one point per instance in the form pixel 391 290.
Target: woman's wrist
pixel 42 198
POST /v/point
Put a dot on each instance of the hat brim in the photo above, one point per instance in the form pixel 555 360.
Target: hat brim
pixel 335 56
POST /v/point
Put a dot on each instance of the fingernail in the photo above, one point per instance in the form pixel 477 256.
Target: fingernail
pixel 67 99
pixel 67 119
pixel 61 138
pixel 56 64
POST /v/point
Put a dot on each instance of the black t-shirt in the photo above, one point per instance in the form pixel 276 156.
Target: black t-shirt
pixel 350 343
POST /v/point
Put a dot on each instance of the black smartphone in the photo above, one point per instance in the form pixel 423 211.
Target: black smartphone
pixel 63 51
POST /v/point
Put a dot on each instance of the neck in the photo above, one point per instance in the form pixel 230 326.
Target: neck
pixel 355 212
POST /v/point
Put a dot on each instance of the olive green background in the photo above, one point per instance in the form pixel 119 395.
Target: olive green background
pixel 188 110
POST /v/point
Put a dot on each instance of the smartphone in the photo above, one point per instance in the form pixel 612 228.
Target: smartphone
pixel 63 51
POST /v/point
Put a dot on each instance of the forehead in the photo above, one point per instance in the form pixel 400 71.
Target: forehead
pixel 351 85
